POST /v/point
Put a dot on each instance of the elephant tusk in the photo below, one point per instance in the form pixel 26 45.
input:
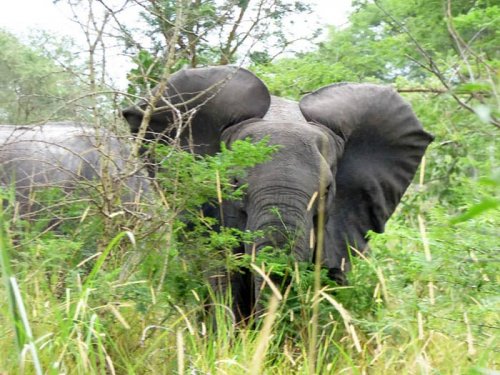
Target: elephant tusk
pixel 312 240
pixel 311 202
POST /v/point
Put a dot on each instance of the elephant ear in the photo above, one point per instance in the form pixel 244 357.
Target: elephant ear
pixel 384 144
pixel 203 102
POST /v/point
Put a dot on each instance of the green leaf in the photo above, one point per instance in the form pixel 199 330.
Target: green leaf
pixel 478 209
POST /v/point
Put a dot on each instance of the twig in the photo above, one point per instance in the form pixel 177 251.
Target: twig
pixel 422 89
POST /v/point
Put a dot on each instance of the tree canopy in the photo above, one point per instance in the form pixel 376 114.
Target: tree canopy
pixel 35 85
pixel 213 32
pixel 435 46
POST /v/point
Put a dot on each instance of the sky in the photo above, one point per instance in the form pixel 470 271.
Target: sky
pixel 22 16
pixel 19 16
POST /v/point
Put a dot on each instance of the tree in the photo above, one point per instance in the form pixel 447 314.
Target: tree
pixel 438 46
pixel 33 85
pixel 214 33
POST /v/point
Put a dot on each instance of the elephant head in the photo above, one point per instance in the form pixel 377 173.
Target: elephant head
pixel 354 147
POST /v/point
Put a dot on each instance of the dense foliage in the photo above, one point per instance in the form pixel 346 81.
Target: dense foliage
pixel 34 87
pixel 125 294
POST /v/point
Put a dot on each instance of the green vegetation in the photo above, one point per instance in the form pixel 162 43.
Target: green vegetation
pixel 129 295
pixel 34 86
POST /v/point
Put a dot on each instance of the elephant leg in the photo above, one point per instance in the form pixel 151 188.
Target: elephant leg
pixel 336 260
pixel 242 294
pixel 236 288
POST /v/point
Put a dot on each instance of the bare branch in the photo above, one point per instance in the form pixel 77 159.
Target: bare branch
pixel 422 90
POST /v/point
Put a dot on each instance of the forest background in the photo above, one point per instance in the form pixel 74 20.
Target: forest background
pixel 424 300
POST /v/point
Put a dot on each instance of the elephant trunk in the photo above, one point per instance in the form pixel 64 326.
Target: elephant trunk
pixel 286 224
pixel 282 235
pixel 285 236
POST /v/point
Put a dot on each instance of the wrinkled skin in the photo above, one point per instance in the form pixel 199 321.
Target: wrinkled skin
pixel 66 155
pixel 355 147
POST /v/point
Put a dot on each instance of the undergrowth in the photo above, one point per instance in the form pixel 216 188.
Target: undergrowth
pixel 131 297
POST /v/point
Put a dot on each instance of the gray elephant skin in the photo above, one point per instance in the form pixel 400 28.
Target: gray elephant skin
pixel 362 142
pixel 67 156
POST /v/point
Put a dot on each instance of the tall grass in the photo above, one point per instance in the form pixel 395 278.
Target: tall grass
pixel 424 301
pixel 18 316
pixel 95 327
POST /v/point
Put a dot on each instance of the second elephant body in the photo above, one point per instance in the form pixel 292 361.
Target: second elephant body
pixel 70 158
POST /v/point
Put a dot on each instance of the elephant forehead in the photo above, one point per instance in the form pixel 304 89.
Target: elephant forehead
pixel 284 110
pixel 285 133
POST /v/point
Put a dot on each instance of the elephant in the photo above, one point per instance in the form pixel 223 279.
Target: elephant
pixel 67 155
pixel 357 145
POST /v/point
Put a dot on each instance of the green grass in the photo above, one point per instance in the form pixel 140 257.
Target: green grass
pixel 425 300
pixel 387 321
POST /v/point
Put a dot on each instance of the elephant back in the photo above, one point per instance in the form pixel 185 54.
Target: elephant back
pixel 284 110
pixel 68 156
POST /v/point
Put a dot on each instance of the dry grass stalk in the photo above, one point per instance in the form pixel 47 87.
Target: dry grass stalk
pixel 311 201
pixel 109 362
pixel 184 316
pixel 382 283
pixel 180 353
pixel 420 321
pixel 470 340
pixel 118 316
pixel 268 281
pixel 428 256
pixel 264 337
pixel 346 318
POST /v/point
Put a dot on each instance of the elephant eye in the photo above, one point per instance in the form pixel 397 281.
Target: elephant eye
pixel 326 192
pixel 238 204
